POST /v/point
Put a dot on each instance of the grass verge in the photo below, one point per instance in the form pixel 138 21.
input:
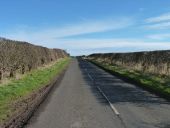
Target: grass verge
pixel 159 85
pixel 31 82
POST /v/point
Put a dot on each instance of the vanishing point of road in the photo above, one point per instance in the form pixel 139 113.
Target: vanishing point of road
pixel 88 97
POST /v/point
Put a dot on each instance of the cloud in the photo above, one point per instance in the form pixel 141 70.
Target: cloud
pixel 88 46
pixel 164 25
pixel 159 36
pixel 161 18
pixel 69 30
pixel 110 43
pixel 158 22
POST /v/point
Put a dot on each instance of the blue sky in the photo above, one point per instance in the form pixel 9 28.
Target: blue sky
pixel 88 26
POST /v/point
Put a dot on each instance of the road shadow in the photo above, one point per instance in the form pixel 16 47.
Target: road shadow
pixel 117 90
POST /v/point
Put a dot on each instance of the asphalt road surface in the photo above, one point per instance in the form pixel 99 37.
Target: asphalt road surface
pixel 88 97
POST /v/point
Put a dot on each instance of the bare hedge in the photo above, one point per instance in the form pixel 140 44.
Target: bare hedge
pixel 16 56
pixel 156 62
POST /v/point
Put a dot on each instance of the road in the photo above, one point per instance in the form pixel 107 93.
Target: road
pixel 88 97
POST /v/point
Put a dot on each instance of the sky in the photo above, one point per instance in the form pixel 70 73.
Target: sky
pixel 83 27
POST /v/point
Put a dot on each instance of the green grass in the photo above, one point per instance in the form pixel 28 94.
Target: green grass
pixel 32 81
pixel 156 83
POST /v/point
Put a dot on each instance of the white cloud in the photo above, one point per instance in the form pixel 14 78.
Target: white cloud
pixel 159 36
pixel 158 22
pixel 69 30
pixel 110 43
pixel 88 46
pixel 161 18
pixel 164 25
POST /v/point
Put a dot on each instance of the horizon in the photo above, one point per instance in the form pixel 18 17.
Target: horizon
pixel 87 27
pixel 18 41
